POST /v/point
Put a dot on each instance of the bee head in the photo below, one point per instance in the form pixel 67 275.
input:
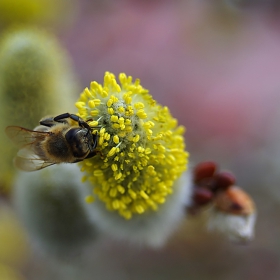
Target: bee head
pixel 81 141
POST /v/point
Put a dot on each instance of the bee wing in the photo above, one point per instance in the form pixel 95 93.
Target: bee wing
pixel 23 136
pixel 27 158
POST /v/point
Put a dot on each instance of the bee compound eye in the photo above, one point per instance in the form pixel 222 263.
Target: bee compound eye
pixel 71 134
pixel 75 138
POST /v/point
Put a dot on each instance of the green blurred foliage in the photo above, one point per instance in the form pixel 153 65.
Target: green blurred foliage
pixel 36 79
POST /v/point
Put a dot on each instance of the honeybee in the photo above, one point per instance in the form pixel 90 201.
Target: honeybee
pixel 55 140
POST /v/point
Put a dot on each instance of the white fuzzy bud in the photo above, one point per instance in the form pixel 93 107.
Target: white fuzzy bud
pixel 50 206
pixel 152 228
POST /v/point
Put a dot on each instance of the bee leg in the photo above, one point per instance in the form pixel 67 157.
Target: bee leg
pixel 94 153
pixel 95 141
pixel 60 119
pixel 74 117
pixel 91 154
pixel 65 116
pixel 49 122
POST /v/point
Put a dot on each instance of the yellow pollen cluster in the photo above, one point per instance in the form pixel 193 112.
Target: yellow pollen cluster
pixel 141 148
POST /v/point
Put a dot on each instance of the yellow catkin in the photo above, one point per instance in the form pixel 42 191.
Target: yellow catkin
pixel 89 199
pixel 142 151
